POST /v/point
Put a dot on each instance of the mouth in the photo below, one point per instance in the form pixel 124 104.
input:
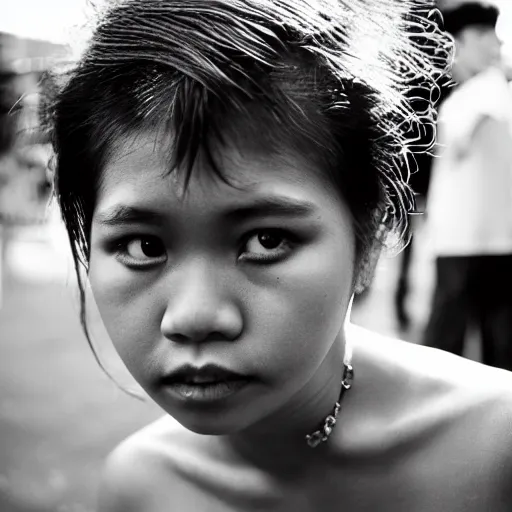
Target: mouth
pixel 205 384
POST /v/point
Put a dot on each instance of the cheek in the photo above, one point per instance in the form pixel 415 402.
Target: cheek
pixel 127 307
pixel 300 309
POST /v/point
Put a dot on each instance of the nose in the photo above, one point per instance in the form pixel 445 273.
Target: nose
pixel 200 308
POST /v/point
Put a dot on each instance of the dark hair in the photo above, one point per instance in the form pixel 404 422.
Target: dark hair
pixel 470 14
pixel 326 77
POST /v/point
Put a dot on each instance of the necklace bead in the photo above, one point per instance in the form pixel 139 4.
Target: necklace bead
pixel 322 435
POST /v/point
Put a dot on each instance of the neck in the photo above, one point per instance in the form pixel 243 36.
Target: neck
pixel 279 441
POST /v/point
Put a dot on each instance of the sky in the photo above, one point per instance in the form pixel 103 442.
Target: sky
pixel 60 20
pixel 51 20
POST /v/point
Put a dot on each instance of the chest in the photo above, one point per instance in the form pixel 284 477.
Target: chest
pixel 421 484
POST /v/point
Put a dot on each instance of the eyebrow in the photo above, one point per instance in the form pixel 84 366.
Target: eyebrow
pixel 281 206
pixel 265 206
pixel 124 214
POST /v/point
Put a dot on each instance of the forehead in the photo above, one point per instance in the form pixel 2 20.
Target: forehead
pixel 139 171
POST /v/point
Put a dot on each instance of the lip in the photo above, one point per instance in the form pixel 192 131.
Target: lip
pixel 207 383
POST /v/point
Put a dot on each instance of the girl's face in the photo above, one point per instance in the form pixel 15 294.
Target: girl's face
pixel 253 278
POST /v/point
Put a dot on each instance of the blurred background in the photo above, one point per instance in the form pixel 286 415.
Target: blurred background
pixel 59 414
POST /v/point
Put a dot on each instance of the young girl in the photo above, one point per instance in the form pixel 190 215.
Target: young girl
pixel 226 172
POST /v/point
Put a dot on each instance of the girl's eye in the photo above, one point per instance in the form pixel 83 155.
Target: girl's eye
pixel 266 245
pixel 142 251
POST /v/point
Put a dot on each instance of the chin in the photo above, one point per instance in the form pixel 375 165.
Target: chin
pixel 210 427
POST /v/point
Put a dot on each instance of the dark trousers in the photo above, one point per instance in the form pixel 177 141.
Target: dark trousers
pixel 473 290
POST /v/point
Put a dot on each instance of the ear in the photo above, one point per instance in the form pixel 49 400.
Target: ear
pixel 366 268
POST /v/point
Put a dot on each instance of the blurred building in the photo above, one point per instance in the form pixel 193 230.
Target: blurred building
pixel 23 155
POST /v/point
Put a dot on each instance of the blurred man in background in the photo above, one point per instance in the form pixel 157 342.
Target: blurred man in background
pixel 469 207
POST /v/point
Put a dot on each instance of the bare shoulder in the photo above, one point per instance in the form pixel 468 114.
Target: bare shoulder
pixel 440 426
pixel 415 388
pixel 140 471
pixel 424 372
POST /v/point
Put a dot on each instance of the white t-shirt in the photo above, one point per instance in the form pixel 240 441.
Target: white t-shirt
pixel 469 208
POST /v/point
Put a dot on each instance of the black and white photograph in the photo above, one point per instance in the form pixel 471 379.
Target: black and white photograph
pixel 255 255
